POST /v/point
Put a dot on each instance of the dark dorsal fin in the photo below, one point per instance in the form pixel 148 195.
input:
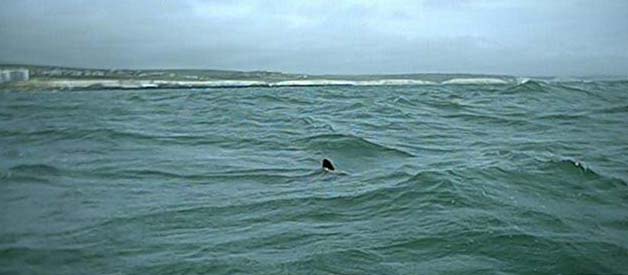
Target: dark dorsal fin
pixel 328 165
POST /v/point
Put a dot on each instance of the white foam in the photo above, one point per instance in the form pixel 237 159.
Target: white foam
pixel 72 84
pixel 394 82
pixel 209 83
pixel 143 84
pixel 328 82
pixel 314 82
pixel 475 81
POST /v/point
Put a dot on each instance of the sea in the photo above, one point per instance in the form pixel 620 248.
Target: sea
pixel 522 178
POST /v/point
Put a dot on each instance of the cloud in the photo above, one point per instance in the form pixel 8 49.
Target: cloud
pixel 514 37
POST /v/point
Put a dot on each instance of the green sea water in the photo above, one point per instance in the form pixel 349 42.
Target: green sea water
pixel 525 178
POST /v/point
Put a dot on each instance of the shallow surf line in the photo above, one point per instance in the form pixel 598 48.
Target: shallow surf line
pixel 139 84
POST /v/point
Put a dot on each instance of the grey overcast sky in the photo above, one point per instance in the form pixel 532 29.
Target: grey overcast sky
pixel 527 37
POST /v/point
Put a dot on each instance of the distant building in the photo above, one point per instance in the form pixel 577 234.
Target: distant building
pixel 14 75
pixel 4 76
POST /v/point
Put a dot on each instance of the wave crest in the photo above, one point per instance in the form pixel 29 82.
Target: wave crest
pixel 351 143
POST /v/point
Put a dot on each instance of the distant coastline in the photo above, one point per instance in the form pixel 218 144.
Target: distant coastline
pixel 66 78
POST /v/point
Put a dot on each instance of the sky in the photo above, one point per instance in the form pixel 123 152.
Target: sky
pixel 528 37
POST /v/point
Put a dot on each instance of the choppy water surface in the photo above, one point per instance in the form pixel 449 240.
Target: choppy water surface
pixel 525 178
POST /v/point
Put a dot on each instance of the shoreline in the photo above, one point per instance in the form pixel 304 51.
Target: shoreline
pixel 139 84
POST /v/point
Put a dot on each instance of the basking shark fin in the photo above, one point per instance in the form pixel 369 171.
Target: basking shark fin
pixel 327 165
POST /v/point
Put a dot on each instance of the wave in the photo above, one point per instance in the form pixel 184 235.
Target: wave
pixel 38 169
pixel 476 81
pixel 266 175
pixel 110 135
pixel 294 83
pixel 351 143
pixel 540 84
pixel 134 84
pixel 69 133
pixel 528 86
pixel 152 173
pixel 578 169
pixel 319 82
pixel 613 110
pixel 570 166
pixel 572 88
pixel 31 173
pixel 353 154
pixel 493 119
pixel 562 116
